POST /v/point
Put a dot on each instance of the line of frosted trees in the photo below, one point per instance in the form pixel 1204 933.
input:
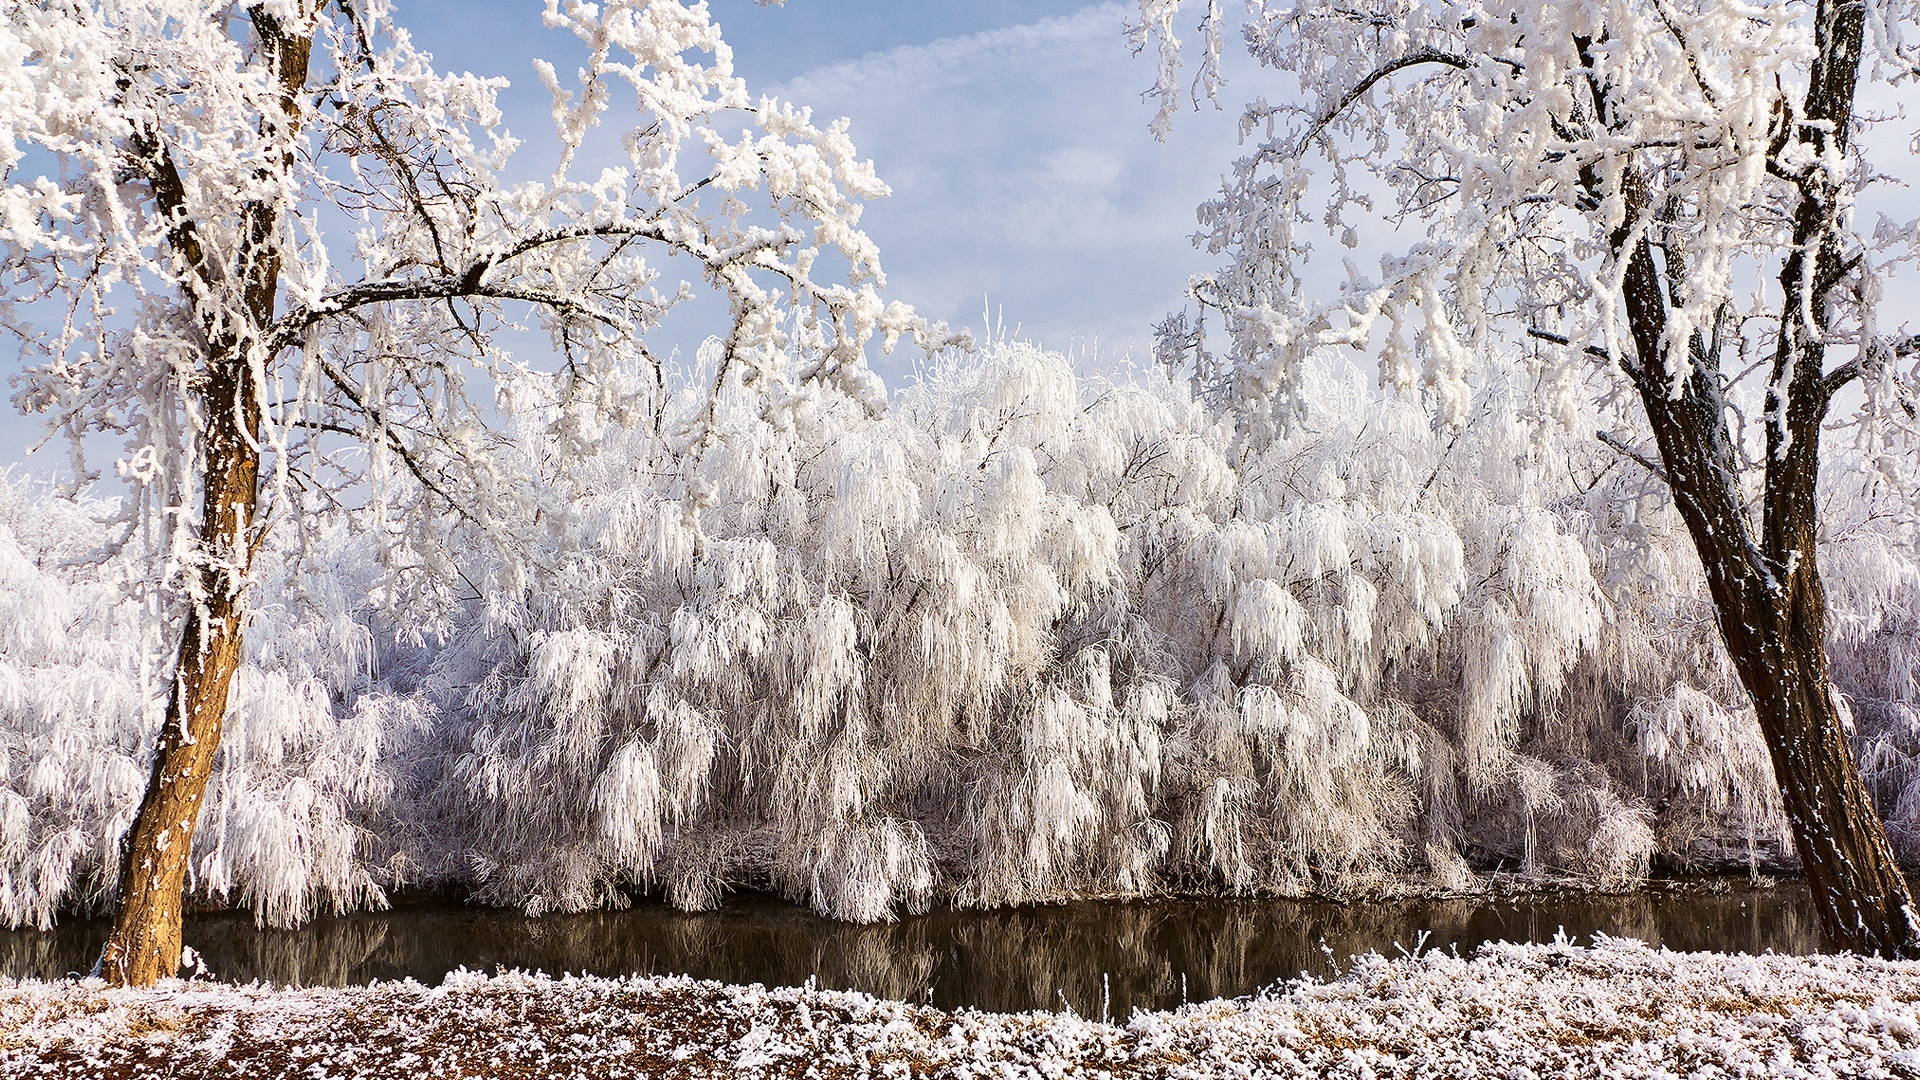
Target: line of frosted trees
pixel 1028 635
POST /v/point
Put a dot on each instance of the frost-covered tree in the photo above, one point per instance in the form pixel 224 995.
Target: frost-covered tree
pixel 1666 189
pixel 280 255
pixel 1030 635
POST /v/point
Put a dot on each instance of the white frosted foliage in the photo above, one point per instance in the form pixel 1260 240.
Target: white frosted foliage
pixel 1027 636
pixel 309 761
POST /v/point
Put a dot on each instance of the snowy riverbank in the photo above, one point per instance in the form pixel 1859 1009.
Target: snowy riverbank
pixel 1618 1009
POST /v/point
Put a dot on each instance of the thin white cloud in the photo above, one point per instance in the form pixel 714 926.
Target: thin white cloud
pixel 955 62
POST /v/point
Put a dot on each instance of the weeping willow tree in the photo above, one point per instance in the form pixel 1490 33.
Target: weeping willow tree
pixel 1029 636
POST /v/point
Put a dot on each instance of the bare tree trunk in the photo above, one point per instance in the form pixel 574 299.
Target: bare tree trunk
pixel 1857 886
pixel 1772 609
pixel 1863 899
pixel 144 944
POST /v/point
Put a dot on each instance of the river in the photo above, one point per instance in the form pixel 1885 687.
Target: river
pixel 1091 956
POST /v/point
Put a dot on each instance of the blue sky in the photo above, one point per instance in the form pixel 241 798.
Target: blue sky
pixel 1012 132
pixel 1013 135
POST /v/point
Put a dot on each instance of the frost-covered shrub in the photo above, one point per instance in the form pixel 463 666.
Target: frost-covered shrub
pixel 75 706
pixel 1872 575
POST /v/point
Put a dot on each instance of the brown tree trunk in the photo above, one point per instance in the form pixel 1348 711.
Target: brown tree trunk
pixel 1780 649
pixel 1857 886
pixel 1772 608
pixel 145 942
pixel 232 305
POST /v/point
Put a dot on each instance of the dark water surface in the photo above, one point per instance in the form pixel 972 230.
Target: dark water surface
pixel 1146 954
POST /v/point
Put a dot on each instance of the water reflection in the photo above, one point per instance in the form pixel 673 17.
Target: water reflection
pixel 1151 954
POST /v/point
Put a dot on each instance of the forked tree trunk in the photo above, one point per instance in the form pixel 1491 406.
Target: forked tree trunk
pixel 1765 584
pixel 231 304
pixel 1773 618
pixel 1772 609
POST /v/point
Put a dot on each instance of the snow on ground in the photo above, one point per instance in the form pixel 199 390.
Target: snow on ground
pixel 1618 1009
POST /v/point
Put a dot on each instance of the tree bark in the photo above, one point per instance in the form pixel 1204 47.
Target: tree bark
pixel 145 941
pixel 232 305
pixel 1767 592
pixel 1857 886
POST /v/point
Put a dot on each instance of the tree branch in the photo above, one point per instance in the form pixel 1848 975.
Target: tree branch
pixel 289 328
pixel 1594 351
pixel 1839 377
pixel 154 162
pixel 1423 55
pixel 375 414
pixel 470 281
pixel 1633 455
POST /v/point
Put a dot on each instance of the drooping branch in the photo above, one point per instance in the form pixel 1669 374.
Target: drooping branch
pixel 1422 55
pixel 392 438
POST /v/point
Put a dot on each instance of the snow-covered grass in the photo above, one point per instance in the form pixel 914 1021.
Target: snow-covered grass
pixel 1617 1009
